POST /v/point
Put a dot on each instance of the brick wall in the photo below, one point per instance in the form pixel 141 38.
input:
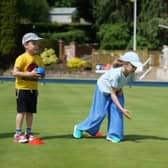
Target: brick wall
pixel 74 50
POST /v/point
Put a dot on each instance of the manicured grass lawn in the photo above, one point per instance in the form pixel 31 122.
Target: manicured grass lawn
pixel 63 105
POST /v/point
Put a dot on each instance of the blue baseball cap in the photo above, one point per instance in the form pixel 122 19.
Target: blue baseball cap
pixel 30 36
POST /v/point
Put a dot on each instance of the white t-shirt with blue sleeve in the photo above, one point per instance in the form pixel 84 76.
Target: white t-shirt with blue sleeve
pixel 114 78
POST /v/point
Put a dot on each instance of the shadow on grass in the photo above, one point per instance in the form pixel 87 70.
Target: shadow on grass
pixel 66 136
pixel 133 138
pixel 69 136
pixel 10 134
pixel 138 138
pixel 6 135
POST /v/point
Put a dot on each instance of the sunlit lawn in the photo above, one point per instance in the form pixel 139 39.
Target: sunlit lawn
pixel 63 105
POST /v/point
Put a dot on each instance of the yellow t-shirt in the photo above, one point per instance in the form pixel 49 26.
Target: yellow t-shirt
pixel 26 62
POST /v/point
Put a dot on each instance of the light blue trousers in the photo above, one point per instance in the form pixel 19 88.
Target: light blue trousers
pixel 101 105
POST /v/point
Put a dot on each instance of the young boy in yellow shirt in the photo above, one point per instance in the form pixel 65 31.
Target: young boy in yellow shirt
pixel 27 85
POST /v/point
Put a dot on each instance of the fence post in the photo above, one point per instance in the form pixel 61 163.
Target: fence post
pixel 61 49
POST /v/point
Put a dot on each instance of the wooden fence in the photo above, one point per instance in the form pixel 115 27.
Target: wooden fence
pixel 107 57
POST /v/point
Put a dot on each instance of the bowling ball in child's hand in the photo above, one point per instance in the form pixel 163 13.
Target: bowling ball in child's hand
pixel 40 71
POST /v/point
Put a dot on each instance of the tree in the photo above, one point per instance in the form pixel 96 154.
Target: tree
pixel 147 23
pixel 85 8
pixel 51 2
pixel 34 11
pixel 9 21
pixel 107 11
pixel 149 14
pixel 113 36
pixel 61 3
pixel 64 3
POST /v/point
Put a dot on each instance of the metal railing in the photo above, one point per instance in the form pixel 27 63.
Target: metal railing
pixel 148 61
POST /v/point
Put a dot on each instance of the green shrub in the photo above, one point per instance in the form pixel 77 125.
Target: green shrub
pixel 113 36
pixel 87 65
pixel 73 35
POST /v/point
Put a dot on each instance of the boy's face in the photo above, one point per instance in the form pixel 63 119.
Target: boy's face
pixel 32 47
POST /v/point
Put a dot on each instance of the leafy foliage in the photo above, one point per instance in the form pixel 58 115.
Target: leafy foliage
pixel 113 36
pixel 48 56
pixel 148 20
pixel 34 11
pixel 85 9
pixel 72 35
pixel 149 14
pixel 107 11
pixel 75 63
pixel 9 19
pixel 64 3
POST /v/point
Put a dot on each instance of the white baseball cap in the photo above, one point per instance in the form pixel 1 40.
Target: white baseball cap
pixel 30 36
pixel 132 58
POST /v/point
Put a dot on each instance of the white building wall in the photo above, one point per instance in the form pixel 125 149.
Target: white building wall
pixel 61 19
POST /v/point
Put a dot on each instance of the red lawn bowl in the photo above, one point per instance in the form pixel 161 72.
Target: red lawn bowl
pixel 36 141
pixel 98 135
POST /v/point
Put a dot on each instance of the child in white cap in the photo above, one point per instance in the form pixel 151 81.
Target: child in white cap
pixel 109 98
pixel 26 85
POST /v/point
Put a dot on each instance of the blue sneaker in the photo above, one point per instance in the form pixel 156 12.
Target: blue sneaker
pixel 77 133
pixel 113 139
